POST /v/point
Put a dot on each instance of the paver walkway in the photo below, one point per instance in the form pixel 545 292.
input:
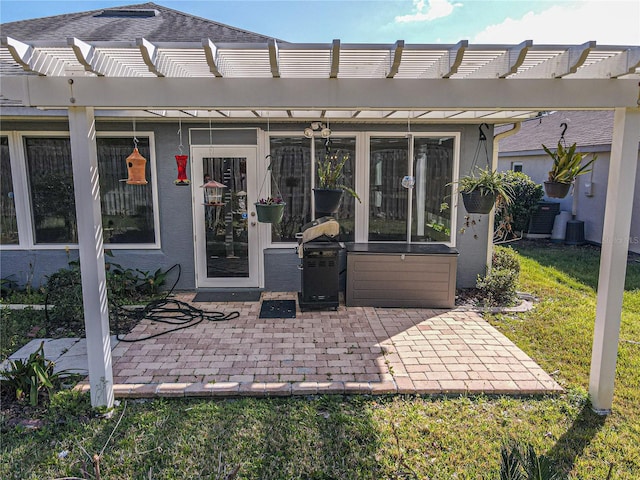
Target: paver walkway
pixel 353 350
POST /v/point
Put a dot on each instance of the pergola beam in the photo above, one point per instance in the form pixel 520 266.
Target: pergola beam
pixel 32 59
pixel 396 58
pixel 86 54
pixel 211 54
pixel 504 65
pixel 150 56
pixel 335 59
pixel 329 94
pixel 561 65
pixel 623 63
pixel 274 61
pixel 449 63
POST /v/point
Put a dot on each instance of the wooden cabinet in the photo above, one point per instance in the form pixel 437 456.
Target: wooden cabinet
pixel 404 275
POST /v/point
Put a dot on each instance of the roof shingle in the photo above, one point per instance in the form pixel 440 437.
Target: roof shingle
pixel 166 26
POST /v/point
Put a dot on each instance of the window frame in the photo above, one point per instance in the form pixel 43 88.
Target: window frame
pixel 22 192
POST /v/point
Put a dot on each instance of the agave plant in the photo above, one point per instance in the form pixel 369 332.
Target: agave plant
pixel 567 163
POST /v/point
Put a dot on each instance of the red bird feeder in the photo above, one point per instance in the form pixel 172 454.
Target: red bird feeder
pixel 182 179
pixel 136 168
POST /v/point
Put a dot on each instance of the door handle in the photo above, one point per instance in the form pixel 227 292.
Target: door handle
pixel 253 224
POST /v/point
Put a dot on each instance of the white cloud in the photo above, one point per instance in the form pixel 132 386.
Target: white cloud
pixel 608 23
pixel 429 10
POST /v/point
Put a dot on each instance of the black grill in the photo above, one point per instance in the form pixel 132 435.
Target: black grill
pixel 320 276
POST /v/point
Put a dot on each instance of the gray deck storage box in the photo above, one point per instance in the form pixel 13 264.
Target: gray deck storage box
pixel 401 275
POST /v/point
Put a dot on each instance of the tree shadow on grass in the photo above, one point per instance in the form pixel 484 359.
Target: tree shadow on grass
pixel 572 444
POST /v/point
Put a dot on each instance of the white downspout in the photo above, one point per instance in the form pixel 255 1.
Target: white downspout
pixel 494 166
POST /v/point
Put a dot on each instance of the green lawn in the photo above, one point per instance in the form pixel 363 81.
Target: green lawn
pixel 373 437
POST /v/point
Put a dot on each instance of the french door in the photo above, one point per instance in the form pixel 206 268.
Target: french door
pixel 226 233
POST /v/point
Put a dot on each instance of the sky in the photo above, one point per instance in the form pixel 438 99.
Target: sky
pixel 608 22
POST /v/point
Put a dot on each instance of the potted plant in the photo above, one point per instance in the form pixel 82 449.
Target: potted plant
pixel 270 209
pixel 566 167
pixel 329 190
pixel 481 191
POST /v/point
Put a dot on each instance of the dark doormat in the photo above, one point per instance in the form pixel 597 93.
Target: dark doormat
pixel 230 296
pixel 278 309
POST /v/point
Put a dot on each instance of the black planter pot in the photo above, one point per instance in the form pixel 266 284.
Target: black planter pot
pixel 476 202
pixel 327 201
pixel 556 189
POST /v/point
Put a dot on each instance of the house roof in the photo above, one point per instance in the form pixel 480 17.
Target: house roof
pixel 586 128
pixel 126 23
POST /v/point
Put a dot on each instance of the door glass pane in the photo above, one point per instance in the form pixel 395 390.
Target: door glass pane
pixel 433 172
pixel 51 186
pixel 339 148
pixel 226 228
pixel 387 196
pixel 291 171
pixel 127 210
pixel 8 222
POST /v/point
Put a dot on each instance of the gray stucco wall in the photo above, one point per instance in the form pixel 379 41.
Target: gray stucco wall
pixel 176 220
pixel 590 209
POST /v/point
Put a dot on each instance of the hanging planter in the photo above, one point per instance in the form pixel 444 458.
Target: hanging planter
pixel 182 179
pixel 478 202
pixel 480 190
pixel 136 168
pixel 556 189
pixel 567 165
pixel 270 210
pixel 327 200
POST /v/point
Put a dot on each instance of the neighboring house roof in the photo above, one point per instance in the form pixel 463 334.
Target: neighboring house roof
pixel 127 23
pixel 586 128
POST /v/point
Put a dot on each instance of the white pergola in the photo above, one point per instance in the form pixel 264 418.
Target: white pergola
pixel 427 84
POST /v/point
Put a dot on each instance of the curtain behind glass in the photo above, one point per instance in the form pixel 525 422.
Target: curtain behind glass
pixel 291 171
pixel 51 186
pixel 8 222
pixel 387 197
pixel 127 210
pixel 433 172
pixel 339 147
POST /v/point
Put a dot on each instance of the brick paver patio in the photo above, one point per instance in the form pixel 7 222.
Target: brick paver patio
pixel 353 350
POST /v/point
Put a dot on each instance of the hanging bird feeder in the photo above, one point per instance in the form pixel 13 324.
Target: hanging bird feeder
pixel 182 179
pixel 136 168
pixel 181 160
pixel 213 193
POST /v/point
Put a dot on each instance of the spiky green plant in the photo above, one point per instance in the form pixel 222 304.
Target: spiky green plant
pixel 487 182
pixel 330 172
pixel 567 163
pixel 29 377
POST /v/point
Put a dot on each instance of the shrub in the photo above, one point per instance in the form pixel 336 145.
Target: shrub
pixel 526 195
pixel 505 258
pixel 498 287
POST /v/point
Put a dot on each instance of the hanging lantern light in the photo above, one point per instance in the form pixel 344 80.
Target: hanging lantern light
pixel 213 193
pixel 136 168
pixel 182 179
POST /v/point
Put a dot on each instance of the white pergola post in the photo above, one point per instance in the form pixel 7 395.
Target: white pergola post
pixel 84 158
pixel 613 258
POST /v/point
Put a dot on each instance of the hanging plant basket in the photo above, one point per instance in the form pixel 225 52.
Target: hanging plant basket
pixel 476 202
pixel 270 213
pixel 556 189
pixel 327 200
